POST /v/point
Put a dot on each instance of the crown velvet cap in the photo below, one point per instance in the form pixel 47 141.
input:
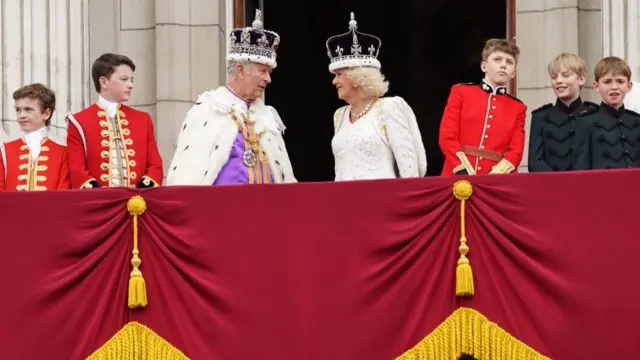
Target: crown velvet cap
pixel 254 44
pixel 353 49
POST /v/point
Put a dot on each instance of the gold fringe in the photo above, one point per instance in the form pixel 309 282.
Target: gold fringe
pixel 137 287
pixel 137 342
pixel 462 190
pixel 467 331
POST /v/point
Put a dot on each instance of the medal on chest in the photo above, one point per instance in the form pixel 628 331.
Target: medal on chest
pixel 254 151
pixel 249 158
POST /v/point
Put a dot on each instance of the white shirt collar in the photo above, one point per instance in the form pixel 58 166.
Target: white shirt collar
pixel 111 107
pixel 34 140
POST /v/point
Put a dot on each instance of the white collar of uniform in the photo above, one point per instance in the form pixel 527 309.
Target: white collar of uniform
pixel 34 140
pixel 110 106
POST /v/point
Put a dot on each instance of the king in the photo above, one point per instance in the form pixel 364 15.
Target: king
pixel 110 144
pixel 230 136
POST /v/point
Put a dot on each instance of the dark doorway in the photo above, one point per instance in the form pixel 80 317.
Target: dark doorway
pixel 427 46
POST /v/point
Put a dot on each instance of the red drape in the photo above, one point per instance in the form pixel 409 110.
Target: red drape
pixel 63 272
pixel 359 270
pixel 311 271
pixel 555 259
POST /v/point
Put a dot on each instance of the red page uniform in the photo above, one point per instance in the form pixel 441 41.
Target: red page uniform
pixel 22 169
pixel 482 130
pixel 113 150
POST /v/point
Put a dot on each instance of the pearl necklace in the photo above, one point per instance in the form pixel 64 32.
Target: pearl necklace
pixel 366 108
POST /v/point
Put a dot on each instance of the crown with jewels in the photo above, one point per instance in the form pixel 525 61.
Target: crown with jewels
pixel 353 49
pixel 254 44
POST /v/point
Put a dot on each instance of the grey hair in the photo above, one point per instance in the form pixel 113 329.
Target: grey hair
pixel 231 68
pixel 369 80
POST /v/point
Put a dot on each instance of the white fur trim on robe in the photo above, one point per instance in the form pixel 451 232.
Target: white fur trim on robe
pixel 208 134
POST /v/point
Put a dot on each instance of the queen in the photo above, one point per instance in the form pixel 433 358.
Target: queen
pixel 375 137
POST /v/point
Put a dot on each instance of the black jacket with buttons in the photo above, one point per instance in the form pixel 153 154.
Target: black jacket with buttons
pixel 609 139
pixel 552 136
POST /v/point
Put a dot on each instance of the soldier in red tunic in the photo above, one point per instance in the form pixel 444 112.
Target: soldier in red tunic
pixel 34 162
pixel 110 144
pixel 482 129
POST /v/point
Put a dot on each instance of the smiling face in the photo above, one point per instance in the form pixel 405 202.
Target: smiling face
pixel 613 88
pixel 566 84
pixel 344 85
pixel 499 68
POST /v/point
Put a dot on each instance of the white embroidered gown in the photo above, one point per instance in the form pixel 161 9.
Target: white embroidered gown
pixel 386 138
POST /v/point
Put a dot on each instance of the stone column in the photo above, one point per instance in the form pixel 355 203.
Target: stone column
pixel 545 29
pixel 621 32
pixel 590 41
pixel 44 41
pixel 190 52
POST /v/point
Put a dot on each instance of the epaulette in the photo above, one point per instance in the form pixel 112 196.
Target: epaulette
pixel 514 98
pixel 542 108
pixel 631 112
pixel 592 108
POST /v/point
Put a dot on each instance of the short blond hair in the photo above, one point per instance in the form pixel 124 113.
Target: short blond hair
pixel 571 62
pixel 369 80
pixel 612 65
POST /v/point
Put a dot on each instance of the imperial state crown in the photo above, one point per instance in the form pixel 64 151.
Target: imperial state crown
pixel 254 44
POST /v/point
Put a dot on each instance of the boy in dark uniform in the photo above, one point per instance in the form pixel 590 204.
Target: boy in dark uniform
pixel 553 127
pixel 609 136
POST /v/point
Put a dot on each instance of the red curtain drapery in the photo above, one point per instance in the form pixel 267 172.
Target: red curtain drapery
pixel 316 271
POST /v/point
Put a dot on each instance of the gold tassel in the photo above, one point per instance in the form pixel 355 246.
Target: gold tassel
pixel 467 331
pixel 136 341
pixel 462 190
pixel 137 287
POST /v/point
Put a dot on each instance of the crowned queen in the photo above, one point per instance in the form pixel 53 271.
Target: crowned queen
pixel 375 137
pixel 230 136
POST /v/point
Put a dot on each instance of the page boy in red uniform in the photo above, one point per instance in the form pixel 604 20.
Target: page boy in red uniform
pixel 110 144
pixel 482 129
pixel 34 162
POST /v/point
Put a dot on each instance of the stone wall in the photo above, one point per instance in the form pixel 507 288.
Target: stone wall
pixel 621 32
pixel 47 42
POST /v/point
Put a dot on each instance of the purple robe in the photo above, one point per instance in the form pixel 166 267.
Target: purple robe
pixel 235 171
